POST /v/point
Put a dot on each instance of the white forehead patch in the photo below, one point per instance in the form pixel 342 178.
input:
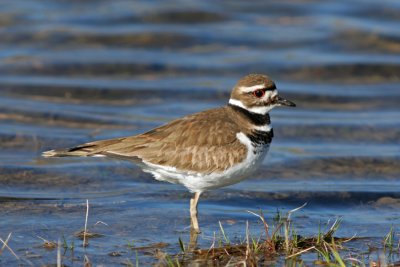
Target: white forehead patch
pixel 249 89
pixel 270 94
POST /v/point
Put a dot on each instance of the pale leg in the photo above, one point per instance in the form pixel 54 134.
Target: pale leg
pixel 193 212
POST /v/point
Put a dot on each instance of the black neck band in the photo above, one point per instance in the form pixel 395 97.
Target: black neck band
pixel 255 118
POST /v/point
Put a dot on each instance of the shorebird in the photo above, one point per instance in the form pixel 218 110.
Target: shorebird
pixel 202 151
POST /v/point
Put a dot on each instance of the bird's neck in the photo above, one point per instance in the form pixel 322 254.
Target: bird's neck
pixel 255 119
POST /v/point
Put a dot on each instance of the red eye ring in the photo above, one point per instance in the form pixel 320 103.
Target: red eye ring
pixel 259 93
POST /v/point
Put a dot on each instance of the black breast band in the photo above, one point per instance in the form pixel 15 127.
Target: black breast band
pixel 261 137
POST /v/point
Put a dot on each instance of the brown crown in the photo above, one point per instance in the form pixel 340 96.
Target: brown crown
pixel 251 80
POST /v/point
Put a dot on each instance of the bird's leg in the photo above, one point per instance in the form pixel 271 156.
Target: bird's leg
pixel 193 240
pixel 193 212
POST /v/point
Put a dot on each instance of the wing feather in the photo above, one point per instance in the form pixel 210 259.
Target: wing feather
pixel 202 142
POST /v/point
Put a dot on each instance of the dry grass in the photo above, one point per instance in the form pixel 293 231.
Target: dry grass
pixel 5 245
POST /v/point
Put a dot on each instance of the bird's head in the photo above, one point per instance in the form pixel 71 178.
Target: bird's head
pixel 257 93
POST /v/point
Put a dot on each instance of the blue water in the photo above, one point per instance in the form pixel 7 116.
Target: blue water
pixel 74 71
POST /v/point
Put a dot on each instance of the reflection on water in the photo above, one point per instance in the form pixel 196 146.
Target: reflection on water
pixel 75 71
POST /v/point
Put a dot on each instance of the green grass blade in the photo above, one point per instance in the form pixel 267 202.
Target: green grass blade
pixel 223 233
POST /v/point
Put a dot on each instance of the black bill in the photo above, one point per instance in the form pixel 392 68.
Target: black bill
pixel 283 102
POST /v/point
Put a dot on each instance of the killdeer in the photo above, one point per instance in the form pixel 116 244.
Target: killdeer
pixel 205 150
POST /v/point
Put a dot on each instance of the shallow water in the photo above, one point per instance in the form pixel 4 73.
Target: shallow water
pixel 73 71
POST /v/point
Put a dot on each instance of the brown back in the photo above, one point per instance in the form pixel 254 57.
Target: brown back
pixel 203 142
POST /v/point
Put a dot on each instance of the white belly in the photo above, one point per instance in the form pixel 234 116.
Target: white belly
pixel 197 182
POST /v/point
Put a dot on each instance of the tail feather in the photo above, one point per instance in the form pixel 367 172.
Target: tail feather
pixel 92 149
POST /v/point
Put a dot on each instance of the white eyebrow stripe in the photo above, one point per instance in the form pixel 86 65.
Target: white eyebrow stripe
pixel 251 88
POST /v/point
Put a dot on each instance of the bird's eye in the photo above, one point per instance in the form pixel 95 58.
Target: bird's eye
pixel 259 93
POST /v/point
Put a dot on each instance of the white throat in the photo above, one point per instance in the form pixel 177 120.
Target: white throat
pixel 259 110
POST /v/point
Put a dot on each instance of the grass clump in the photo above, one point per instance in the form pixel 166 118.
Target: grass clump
pixel 277 242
